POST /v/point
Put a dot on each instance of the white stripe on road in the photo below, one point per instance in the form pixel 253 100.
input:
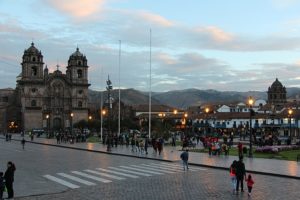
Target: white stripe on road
pixel 128 171
pixel 118 173
pixel 91 177
pixel 155 169
pixel 76 179
pixel 104 174
pixel 175 168
pixel 169 171
pixel 141 170
pixel 194 168
pixel 60 181
pixel 162 168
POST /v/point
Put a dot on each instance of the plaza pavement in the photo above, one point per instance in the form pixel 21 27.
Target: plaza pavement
pixel 281 168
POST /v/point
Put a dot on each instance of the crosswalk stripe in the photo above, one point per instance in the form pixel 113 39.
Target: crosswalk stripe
pixel 194 168
pixel 60 181
pixel 76 179
pixel 142 170
pixel 177 167
pixel 91 177
pixel 104 174
pixel 128 171
pixel 118 173
pixel 163 168
pixel 155 169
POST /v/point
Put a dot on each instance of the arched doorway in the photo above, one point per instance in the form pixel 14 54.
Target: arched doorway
pixel 57 125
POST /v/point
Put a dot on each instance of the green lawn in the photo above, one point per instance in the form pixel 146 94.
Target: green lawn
pixel 93 139
pixel 284 155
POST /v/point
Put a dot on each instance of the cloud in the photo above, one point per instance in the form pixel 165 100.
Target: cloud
pixel 215 33
pixel 78 8
pixel 154 18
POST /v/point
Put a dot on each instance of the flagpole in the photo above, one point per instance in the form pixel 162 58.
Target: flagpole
pixel 119 122
pixel 150 88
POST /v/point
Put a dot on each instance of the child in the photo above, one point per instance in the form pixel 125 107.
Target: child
pixel 233 175
pixel 185 158
pixel 1 185
pixel 250 183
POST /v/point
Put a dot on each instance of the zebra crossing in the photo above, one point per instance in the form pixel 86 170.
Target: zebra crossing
pixel 92 177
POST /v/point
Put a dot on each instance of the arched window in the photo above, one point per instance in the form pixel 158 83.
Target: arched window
pixel 33 71
pixel 33 103
pixel 79 104
pixel 79 73
pixel 79 62
pixel 33 59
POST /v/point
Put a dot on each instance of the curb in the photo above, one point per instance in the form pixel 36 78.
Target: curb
pixel 159 159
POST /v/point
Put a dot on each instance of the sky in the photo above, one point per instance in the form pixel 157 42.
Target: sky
pixel 227 45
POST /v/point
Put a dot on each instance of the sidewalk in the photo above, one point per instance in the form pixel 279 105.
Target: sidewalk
pixel 290 169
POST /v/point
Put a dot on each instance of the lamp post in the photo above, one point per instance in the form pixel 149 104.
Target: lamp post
pixel 250 102
pixel 290 111
pixel 185 122
pixel 47 123
pixel 206 117
pixel 103 112
pixel 71 115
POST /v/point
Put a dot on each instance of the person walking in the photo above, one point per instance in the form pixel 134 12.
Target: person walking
pixel 233 175
pixel 240 174
pixel 185 158
pixel 2 185
pixel 23 141
pixel 146 145
pixel 250 184
pixel 9 179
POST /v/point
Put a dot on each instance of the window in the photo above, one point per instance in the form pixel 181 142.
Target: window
pixel 33 103
pixel 79 62
pixel 80 104
pixel 80 91
pixel 5 99
pixel 33 71
pixel 33 90
pixel 79 73
pixel 33 59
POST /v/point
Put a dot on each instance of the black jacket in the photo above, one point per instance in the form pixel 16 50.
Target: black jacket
pixel 9 174
pixel 240 168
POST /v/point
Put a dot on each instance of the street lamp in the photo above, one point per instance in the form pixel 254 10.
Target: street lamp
pixel 175 112
pixel 251 112
pixel 102 113
pixel 47 122
pixel 290 111
pixel 72 115
pixel 206 116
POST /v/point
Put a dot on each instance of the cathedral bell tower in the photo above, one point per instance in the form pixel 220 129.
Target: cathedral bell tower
pixel 32 64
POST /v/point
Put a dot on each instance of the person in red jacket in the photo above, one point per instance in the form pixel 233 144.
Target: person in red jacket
pixel 250 183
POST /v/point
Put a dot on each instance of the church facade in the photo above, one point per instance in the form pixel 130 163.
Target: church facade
pixel 52 101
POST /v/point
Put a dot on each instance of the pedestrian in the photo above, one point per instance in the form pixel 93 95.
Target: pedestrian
pixel 250 184
pixel 146 145
pixel 240 149
pixel 185 158
pixel 240 174
pixel 233 175
pixel 9 179
pixel 2 185
pixel 23 143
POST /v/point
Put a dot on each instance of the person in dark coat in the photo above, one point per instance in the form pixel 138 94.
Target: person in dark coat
pixel 9 179
pixel 240 174
pixel 185 158
pixel 1 185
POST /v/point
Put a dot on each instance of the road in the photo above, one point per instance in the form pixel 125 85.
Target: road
pixel 46 172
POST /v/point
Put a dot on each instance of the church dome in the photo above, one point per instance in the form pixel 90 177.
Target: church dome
pixel 77 53
pixel 277 86
pixel 32 50
pixel 77 59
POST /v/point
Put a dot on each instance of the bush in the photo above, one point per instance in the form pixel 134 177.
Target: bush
pixel 245 150
pixel 276 149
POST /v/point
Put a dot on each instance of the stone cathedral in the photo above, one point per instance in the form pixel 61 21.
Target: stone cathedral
pixel 52 100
